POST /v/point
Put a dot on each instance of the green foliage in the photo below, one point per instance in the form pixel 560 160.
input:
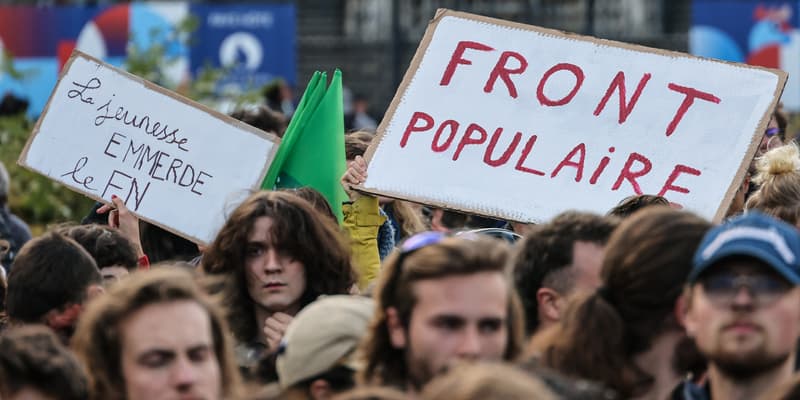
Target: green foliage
pixel 8 68
pixel 41 201
pixel 151 63
pixel 35 198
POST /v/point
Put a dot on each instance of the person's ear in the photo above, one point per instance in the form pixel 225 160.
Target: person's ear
pixel 683 315
pixel 60 319
pixel 397 333
pixel 93 291
pixel 549 305
pixel 320 389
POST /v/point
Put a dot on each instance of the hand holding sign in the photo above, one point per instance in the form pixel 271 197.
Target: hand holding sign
pixel 121 218
pixel 521 123
pixel 355 175
pixel 106 133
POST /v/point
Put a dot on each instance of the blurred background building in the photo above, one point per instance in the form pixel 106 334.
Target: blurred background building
pixel 372 41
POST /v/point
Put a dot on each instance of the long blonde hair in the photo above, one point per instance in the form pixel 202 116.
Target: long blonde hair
pixel 408 216
pixel 778 177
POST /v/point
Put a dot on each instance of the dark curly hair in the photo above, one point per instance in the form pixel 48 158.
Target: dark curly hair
pixel 32 356
pixel 299 230
pixel 105 244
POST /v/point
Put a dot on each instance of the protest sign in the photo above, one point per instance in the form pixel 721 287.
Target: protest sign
pixel 521 123
pixel 174 162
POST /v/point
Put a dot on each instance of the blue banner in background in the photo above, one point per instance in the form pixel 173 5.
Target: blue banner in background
pixel 763 33
pixel 257 42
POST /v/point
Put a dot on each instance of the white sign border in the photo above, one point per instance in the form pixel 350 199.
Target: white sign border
pixel 21 161
pixel 423 49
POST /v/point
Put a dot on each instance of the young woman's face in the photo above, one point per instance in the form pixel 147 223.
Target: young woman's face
pixel 275 280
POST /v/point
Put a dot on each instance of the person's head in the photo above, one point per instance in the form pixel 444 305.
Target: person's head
pixel 481 381
pixel 50 279
pixel 631 204
pixel 316 199
pixel 156 335
pixel 278 253
pixel 12 105
pixel 773 135
pixel 5 183
pixel 778 177
pixel 34 365
pixel 556 259
pixel 317 358
pixel 263 118
pixel 742 304
pixel 372 393
pixel 114 253
pixel 647 260
pixel 356 144
pixel 441 300
pixel 447 220
pixel 161 245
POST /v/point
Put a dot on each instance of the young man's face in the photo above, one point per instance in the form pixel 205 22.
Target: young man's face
pixel 168 353
pixel 744 317
pixel 275 280
pixel 456 318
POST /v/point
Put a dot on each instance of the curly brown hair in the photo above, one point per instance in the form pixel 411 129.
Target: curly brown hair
pixel 107 245
pixel 385 364
pixel 33 356
pixel 299 230
pixel 98 340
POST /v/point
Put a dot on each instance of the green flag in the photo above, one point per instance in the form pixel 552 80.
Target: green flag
pixel 313 94
pixel 312 150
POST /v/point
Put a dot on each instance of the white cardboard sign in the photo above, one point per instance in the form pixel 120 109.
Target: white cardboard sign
pixel 174 162
pixel 521 123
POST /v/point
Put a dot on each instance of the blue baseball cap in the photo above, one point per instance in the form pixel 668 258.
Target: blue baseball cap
pixel 756 235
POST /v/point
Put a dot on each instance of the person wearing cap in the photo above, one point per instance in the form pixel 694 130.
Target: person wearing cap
pixel 317 356
pixel 742 307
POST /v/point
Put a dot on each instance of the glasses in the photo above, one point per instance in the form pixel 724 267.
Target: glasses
pixel 497 233
pixel 722 289
pixel 417 242
pixel 771 132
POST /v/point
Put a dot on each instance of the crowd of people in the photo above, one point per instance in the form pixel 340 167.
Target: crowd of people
pixel 403 301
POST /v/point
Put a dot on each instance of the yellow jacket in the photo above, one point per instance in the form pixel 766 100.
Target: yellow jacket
pixel 362 219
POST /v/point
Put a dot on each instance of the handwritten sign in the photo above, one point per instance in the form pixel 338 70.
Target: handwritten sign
pixel 521 123
pixel 174 162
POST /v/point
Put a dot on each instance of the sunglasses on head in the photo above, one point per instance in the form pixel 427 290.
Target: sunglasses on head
pixel 770 132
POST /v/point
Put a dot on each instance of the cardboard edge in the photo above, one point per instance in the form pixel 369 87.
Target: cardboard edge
pixel 755 142
pixel 595 40
pixel 441 13
pixel 435 203
pixel 104 201
pixel 23 156
pixel 407 78
pixel 22 160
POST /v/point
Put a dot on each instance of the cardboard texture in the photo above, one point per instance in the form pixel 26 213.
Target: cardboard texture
pixel 177 164
pixel 596 121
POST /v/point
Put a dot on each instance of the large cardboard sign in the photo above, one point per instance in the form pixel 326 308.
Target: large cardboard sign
pixel 174 162
pixel 521 123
